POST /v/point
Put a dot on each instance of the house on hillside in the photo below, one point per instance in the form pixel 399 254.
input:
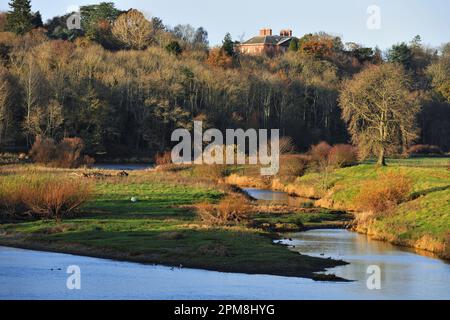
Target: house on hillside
pixel 267 43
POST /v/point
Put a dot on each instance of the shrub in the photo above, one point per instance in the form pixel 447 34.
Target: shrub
pixel 88 161
pixel 383 194
pixel 43 150
pixel 174 48
pixel 287 145
pixel 11 198
pixel 230 210
pixel 319 153
pixel 342 155
pixel 66 154
pixel 69 153
pixel 55 198
pixel 293 165
pixel 218 58
pixel 424 149
pixel 163 158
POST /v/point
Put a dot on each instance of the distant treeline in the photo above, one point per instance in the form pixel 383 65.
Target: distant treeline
pixel 125 82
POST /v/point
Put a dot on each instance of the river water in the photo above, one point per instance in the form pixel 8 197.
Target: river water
pixel 122 166
pixel 276 197
pixel 26 274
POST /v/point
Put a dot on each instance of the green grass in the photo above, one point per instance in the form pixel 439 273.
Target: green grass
pixel 423 221
pixel 418 162
pixel 157 229
pixel 425 216
pixel 346 182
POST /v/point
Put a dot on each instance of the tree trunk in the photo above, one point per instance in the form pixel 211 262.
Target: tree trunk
pixel 382 158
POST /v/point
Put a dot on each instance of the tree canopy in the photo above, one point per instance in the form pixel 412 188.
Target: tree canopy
pixel 127 80
pixel 380 110
pixel 20 17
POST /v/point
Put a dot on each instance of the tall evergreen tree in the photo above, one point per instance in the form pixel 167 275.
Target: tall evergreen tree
pixel 19 18
pixel 401 53
pixel 228 45
pixel 293 46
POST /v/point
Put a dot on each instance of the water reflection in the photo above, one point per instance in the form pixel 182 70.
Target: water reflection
pixel 403 273
pixel 26 274
pixel 120 167
pixel 277 197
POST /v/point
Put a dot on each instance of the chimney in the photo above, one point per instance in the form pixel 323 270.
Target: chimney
pixel 286 33
pixel 265 32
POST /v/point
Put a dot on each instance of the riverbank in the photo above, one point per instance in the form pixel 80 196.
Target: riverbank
pixel 422 222
pixel 161 227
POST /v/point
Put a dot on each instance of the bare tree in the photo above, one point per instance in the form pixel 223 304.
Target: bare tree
pixel 133 29
pixel 439 72
pixel 5 92
pixel 31 79
pixel 45 121
pixel 380 110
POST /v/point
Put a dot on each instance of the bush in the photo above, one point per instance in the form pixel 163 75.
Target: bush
pixel 384 193
pixel 11 203
pixel 424 149
pixel 342 155
pixel 230 210
pixel 54 198
pixel 174 48
pixel 66 154
pixel 163 158
pixel 319 153
pixel 293 165
pixel 287 145
pixel 43 150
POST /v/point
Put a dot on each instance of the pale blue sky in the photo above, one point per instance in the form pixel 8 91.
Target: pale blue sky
pixel 401 20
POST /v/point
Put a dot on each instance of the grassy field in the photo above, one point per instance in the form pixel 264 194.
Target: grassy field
pixel 160 228
pixel 422 222
pixel 345 183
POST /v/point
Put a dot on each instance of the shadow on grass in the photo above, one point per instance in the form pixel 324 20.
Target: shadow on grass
pixel 421 193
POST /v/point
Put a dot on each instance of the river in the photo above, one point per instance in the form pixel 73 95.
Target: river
pixel 277 197
pixel 26 274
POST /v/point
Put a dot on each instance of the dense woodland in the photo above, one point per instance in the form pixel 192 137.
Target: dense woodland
pixel 124 82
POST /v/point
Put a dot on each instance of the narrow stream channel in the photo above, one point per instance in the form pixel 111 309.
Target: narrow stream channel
pixel 122 166
pixel 276 197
